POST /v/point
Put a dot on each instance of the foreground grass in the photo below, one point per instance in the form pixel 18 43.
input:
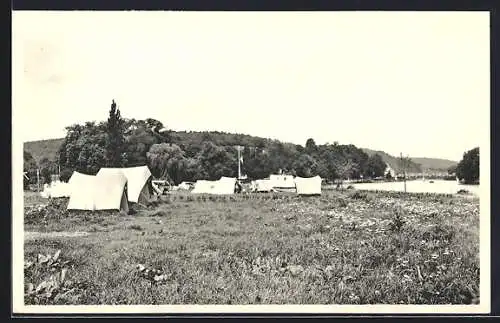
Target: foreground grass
pixel 340 248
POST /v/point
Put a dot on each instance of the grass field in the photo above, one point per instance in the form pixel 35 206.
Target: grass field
pixel 341 248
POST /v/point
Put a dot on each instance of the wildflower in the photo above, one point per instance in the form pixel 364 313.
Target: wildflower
pixel 406 279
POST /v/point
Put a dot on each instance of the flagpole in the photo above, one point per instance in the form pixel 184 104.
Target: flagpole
pixel 239 163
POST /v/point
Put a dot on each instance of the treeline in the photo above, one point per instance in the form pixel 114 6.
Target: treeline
pixel 190 156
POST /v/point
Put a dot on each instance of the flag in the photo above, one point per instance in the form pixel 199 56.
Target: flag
pixel 241 159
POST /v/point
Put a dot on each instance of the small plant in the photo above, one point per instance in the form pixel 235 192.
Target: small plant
pixel 397 221
pixel 135 227
pixel 357 195
pixel 342 202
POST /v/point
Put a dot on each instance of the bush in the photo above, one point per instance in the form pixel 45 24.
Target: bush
pixel 65 175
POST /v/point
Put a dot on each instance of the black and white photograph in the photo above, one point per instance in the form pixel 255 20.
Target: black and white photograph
pixel 183 161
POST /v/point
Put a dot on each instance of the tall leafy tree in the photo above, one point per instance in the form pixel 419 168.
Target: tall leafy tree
pixel 218 161
pixel 167 161
pixel 375 166
pixel 84 148
pixel 468 167
pixel 305 166
pixel 139 137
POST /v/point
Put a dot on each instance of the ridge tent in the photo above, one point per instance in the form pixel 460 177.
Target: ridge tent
pixel 225 185
pixel 137 182
pixel 263 185
pixel 203 187
pixel 282 182
pixel 81 192
pixel 56 189
pixel 308 186
pixel 105 192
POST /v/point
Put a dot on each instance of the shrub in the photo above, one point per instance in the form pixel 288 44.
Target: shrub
pixel 397 221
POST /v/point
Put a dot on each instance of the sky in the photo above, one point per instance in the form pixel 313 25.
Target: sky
pixel 415 83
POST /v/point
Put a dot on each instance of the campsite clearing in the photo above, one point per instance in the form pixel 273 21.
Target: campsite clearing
pixel 347 247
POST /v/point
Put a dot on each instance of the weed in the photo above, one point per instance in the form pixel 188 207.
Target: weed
pixel 135 227
pixel 357 195
pixel 397 221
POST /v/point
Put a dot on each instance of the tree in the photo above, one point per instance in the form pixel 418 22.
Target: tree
pixel 166 161
pixel 29 167
pixel 218 161
pixel 115 137
pixel 47 169
pixel 305 166
pixel 345 170
pixel 311 146
pixel 193 170
pixel 468 167
pixel 84 148
pixel 139 138
pixel 375 166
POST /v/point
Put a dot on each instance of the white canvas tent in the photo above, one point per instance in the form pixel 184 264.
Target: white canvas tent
pixel 105 192
pixel 263 185
pixel 225 185
pixel 203 187
pixel 137 182
pixel 282 182
pixel 81 192
pixel 56 189
pixel 110 192
pixel 308 186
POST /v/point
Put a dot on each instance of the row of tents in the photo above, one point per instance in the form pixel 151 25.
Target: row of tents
pixel 280 183
pixel 114 188
pixel 109 189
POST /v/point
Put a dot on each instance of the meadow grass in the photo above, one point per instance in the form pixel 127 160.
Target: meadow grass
pixel 346 247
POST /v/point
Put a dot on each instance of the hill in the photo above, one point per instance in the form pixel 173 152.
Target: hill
pixel 434 164
pixel 49 148
pixel 43 148
pixel 393 162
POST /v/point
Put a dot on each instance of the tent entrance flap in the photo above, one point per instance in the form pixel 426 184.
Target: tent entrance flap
pixel 138 181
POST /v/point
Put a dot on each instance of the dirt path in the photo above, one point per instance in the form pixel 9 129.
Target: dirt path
pixel 55 234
